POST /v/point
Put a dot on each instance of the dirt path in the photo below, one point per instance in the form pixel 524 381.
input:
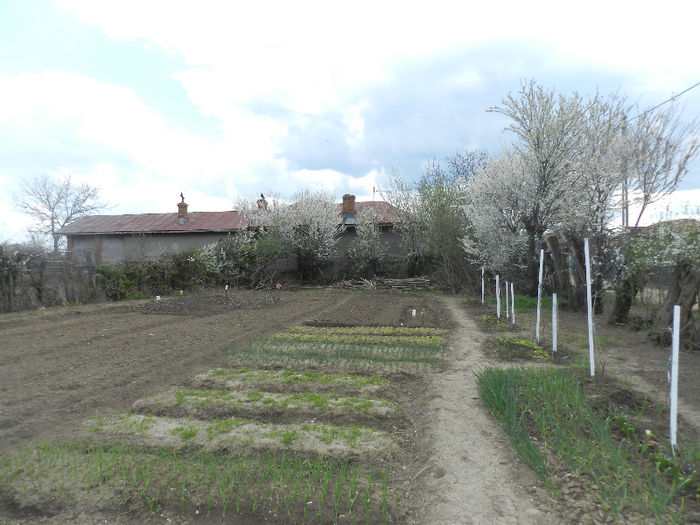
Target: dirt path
pixel 474 476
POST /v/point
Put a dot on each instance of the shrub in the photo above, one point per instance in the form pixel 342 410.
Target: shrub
pixel 121 283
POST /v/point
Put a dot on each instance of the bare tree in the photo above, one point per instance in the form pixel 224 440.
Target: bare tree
pixel 463 165
pixel 662 147
pixel 433 221
pixel 55 203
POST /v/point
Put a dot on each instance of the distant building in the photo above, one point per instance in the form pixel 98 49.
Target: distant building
pixel 115 239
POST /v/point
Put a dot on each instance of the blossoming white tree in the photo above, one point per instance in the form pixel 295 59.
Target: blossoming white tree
pixel 548 130
pixel 309 225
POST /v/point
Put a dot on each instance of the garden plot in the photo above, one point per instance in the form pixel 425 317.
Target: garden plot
pixel 272 406
pixel 295 381
pixel 381 354
pixel 307 443
pixel 242 436
pixel 278 488
pixel 389 331
pixel 135 468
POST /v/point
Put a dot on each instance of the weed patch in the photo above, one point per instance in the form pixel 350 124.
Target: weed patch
pixel 510 348
pixel 245 436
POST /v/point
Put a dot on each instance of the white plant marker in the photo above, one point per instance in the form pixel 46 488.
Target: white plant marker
pixel 554 323
pixel 498 298
pixel 674 374
pixel 482 285
pixel 512 302
pixel 539 297
pixel 507 313
pixel 589 304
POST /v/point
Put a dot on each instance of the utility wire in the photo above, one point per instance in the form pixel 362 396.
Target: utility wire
pixel 665 101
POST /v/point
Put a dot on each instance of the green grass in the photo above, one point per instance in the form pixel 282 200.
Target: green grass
pixel 548 408
pixel 523 303
pixel 580 341
pixel 296 488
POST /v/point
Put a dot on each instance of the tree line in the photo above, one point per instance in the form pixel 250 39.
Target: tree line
pixel 573 169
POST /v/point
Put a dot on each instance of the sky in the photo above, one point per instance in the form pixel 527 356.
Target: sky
pixel 223 100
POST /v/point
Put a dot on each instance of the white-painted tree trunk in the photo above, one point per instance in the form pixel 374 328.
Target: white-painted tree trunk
pixel 589 304
pixel 554 323
pixel 539 298
pixel 674 375
pixel 482 285
pixel 498 298
pixel 507 305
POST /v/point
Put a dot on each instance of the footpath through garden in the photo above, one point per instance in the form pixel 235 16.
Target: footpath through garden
pixel 473 475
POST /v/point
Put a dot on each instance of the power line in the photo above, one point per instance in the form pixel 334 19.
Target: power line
pixel 665 101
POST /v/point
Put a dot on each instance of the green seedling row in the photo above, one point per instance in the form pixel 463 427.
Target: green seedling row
pixel 368 330
pixel 283 486
pixel 422 341
pixel 394 352
pixel 350 356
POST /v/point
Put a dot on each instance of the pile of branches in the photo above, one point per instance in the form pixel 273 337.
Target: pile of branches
pixel 381 283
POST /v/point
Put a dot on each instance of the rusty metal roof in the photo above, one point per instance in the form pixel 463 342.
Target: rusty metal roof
pixel 198 221
pixel 386 213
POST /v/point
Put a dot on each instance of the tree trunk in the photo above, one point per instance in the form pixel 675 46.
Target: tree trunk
pixel 532 261
pixel 576 299
pixel 562 282
pixel 684 292
pixel 625 293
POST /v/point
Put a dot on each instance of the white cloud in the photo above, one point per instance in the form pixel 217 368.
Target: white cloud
pixel 320 46
pixel 318 179
pixel 365 187
pixel 681 204
pixel 65 107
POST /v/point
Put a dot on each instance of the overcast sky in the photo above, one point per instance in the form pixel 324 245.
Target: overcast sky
pixel 224 100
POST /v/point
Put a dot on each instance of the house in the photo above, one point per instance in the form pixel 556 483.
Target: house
pixel 114 239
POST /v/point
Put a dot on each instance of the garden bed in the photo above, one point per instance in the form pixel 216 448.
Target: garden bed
pixel 274 407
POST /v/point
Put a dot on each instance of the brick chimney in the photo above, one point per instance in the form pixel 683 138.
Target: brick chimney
pixel 348 210
pixel 182 210
pixel 348 203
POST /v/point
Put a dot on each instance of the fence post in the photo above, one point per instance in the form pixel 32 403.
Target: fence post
pixel 512 302
pixel 589 304
pixel 482 285
pixel 539 297
pixel 554 323
pixel 498 298
pixel 507 313
pixel 674 375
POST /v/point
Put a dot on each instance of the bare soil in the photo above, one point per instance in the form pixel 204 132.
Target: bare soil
pixel 61 366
